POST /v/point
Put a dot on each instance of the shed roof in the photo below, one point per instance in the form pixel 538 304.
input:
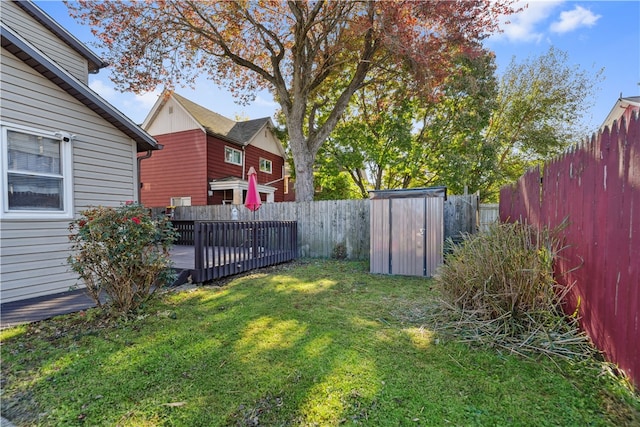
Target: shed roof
pixel 409 193
pixel 30 55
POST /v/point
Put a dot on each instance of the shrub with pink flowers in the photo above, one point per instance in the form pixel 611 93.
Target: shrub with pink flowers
pixel 122 254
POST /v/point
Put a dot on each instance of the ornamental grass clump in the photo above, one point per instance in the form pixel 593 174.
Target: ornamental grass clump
pixel 121 253
pixel 497 288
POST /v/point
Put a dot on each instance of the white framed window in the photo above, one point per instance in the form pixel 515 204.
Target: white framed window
pixel 231 155
pixel 36 173
pixel 180 201
pixel 265 165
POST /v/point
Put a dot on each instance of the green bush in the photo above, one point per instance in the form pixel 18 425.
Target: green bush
pixel 122 252
pixel 507 269
pixel 497 289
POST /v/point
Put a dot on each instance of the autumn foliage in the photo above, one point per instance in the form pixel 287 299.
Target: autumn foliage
pixel 298 50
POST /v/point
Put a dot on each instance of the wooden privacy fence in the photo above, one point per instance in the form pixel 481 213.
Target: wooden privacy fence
pixel 596 188
pixel 326 226
pixel 489 214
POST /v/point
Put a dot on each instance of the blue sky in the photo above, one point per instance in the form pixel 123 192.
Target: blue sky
pixel 595 34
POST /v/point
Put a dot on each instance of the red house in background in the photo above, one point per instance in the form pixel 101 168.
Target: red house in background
pixel 623 108
pixel 206 157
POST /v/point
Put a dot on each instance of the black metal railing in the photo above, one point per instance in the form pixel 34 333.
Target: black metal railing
pixel 224 248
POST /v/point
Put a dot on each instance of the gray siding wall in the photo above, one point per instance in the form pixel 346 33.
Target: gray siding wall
pixel 34 252
pixel 43 39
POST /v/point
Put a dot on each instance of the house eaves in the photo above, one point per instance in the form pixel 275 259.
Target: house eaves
pixel 31 56
pixel 94 61
pixel 267 123
pixel 617 110
pixel 635 100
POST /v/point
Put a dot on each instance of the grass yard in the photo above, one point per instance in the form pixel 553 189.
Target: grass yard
pixel 311 343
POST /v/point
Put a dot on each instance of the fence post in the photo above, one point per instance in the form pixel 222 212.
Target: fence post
pixel 198 250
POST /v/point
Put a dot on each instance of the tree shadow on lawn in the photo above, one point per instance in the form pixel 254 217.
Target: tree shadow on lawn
pixel 318 344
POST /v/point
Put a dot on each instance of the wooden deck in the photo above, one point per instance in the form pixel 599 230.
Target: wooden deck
pixel 183 257
pixel 212 250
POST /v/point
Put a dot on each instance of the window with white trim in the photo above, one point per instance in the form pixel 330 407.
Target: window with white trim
pixel 181 201
pixel 36 173
pixel 231 155
pixel 265 165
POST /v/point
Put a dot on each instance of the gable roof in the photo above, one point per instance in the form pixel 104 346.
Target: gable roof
pixel 618 110
pixel 94 61
pixel 215 124
pixel 37 60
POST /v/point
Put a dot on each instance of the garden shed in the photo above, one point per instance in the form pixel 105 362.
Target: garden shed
pixel 407 231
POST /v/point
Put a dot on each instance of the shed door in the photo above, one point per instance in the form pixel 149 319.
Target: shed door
pixel 407 237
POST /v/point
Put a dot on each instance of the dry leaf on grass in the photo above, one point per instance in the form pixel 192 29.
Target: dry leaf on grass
pixel 174 404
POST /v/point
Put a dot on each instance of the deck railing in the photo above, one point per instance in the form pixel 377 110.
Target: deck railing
pixel 224 248
pixel 185 232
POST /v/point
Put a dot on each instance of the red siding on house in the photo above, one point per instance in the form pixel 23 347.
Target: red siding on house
pixel 218 168
pixel 253 156
pixel 178 170
pixel 187 163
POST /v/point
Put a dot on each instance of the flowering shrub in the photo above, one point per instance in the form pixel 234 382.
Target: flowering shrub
pixel 123 252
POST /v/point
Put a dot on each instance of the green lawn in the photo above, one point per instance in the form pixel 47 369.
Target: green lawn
pixel 313 343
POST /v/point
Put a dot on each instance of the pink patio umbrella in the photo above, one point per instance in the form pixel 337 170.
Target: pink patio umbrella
pixel 253 202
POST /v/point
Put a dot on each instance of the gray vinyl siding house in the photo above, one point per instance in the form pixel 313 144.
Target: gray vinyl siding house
pixel 63 149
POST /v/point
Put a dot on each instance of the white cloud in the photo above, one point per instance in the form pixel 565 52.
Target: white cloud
pixel 146 100
pixel 105 90
pixel 138 106
pixel 522 26
pixel 262 102
pixel 574 19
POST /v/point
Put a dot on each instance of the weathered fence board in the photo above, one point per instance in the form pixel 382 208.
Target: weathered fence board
pixel 460 216
pixel 596 188
pixel 322 225
pixel 489 214
pixel 325 226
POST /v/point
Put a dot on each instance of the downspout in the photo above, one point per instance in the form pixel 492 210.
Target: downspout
pixel 140 159
pixel 244 166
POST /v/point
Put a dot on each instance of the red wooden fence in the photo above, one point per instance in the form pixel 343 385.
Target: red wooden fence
pixel 596 187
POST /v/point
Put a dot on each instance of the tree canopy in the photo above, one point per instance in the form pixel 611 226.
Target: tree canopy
pixel 478 134
pixel 539 107
pixel 299 50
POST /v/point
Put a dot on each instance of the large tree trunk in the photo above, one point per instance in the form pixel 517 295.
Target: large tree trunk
pixel 304 184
